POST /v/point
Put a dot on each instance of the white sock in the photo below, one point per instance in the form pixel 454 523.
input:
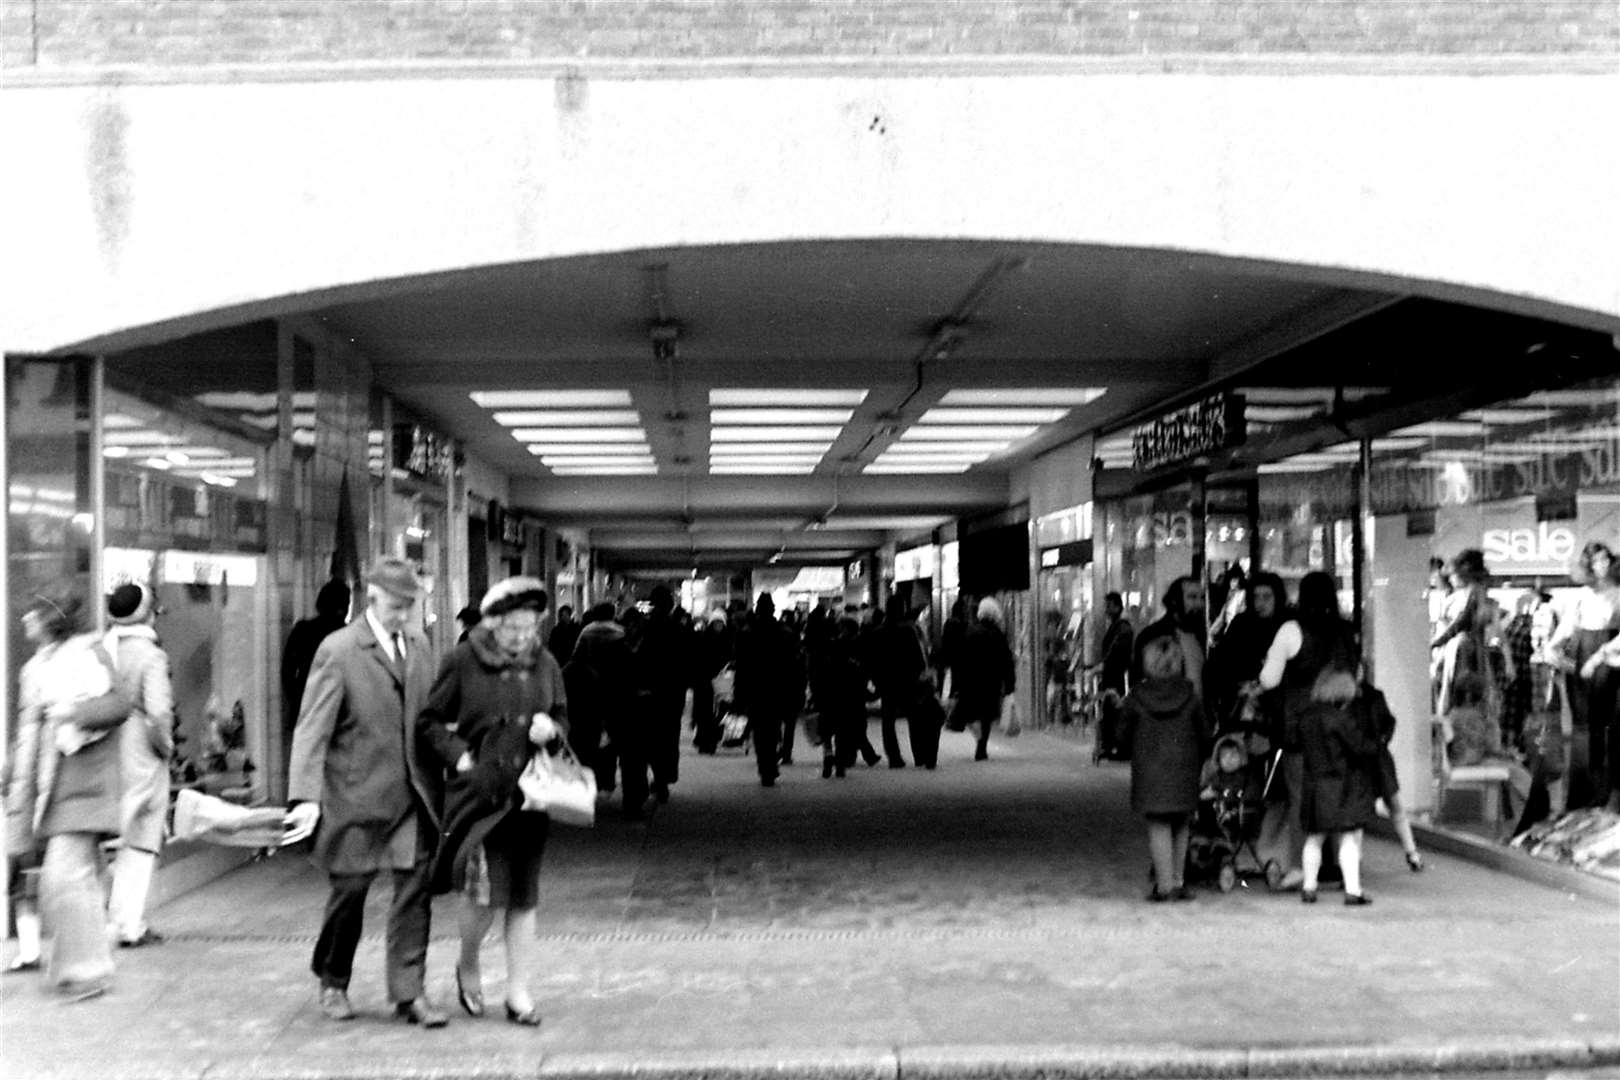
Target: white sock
pixel 1350 861
pixel 131 881
pixel 1311 860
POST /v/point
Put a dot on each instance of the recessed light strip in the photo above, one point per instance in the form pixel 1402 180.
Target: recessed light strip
pixel 566 417
pixel 551 399
pixel 723 396
pixel 1066 395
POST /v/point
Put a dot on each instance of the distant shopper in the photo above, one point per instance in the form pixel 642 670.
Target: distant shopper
pixel 986 674
pixel 1340 780
pixel 498 700
pixel 711 652
pixel 146 744
pixel 1118 646
pixel 1317 639
pixel 1164 726
pixel 331 612
pixel 1463 640
pixel 602 727
pixel 663 672
pixel 899 661
pixel 840 690
pixel 362 787
pixel 1235 662
pixel 768 688
pixel 65 791
pixel 564 634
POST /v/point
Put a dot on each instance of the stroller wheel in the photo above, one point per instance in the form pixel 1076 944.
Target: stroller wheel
pixel 1227 878
pixel 1274 875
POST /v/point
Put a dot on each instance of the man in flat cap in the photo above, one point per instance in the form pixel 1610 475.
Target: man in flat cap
pixel 359 786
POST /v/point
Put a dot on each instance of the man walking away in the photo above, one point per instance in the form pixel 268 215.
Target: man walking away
pixel 768 688
pixel 564 635
pixel 147 743
pixel 598 680
pixel 371 802
pixel 664 664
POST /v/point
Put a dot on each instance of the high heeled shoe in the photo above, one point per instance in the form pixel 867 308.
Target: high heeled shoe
pixel 529 1017
pixel 472 1001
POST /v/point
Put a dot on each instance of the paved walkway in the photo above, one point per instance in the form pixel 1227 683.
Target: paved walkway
pixel 985 919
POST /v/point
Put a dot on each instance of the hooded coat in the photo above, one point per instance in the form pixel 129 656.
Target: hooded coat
pixel 1164 726
pixel 1340 744
pixel 985 672
pixel 481 704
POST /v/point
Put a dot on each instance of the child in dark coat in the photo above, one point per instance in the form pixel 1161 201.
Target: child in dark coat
pixel 1164 725
pixel 1339 744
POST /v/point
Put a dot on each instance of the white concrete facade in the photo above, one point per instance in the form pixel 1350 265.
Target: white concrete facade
pixel 178 206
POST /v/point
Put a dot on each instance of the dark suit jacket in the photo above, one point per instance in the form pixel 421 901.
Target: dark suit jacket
pixel 355 749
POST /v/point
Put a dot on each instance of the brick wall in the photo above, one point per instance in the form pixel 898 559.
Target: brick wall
pixel 186 33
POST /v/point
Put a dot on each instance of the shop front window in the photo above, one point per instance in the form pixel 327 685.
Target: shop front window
pixel 1524 484
pixel 1068 632
pixel 186 516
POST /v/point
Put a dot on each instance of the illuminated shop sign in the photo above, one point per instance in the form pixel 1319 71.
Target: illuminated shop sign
pixel 1074 553
pixel 1216 423
pixel 914 564
pixel 1544 549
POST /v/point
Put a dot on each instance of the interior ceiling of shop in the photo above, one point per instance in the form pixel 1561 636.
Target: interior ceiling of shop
pixel 1149 327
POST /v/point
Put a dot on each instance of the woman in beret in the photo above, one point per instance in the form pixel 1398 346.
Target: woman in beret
pixel 498 699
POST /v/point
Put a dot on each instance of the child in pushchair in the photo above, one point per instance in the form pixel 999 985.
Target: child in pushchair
pixel 1232 803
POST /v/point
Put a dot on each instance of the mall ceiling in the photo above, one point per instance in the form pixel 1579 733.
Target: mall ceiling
pixel 617 364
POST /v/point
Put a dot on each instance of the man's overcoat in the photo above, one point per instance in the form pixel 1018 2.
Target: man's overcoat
pixel 355 751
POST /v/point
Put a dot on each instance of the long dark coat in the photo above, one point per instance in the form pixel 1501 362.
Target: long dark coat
pixel 355 750
pixel 1165 729
pixel 985 673
pixel 1340 745
pixel 481 704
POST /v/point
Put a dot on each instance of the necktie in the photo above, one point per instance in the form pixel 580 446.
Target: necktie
pixel 399 650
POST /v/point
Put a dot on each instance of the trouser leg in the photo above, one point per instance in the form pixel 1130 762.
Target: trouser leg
pixel 767 737
pixel 633 772
pixel 790 727
pixel 891 741
pixel 409 920
pixel 72 905
pixel 131 881
pixel 666 731
pixel 333 960
pixel 706 733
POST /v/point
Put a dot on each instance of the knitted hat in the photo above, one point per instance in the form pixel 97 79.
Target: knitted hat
pixel 129 605
pixel 513 594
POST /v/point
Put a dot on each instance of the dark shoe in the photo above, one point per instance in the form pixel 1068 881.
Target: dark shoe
pixel 1181 892
pixel 633 813
pixel 827 769
pixel 872 762
pixel 529 1017
pixel 1307 896
pixel 767 781
pixel 421 1011
pixel 1414 862
pixel 661 792
pixel 335 1003
pixel 787 759
pixel 1157 896
pixel 472 1002
pixel 981 754
pixel 19 964
pixel 148 937
pixel 839 772
pixel 72 993
pixel 1356 899
pixel 897 764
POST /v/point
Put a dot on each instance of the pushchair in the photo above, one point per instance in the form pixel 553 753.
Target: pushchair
pixel 1232 806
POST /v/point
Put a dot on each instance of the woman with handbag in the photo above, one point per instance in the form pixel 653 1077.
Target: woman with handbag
pixel 498 700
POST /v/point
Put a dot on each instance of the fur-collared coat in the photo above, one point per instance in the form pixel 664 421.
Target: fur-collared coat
pixel 355 752
pixel 481 704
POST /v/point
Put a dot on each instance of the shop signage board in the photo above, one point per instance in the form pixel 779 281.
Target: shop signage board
pixel 914 564
pixel 1204 427
pixel 422 452
pixel 1073 553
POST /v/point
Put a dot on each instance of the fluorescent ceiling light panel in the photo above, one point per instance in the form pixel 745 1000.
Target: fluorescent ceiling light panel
pixel 930 459
pixel 1443 429
pixel 595 459
pixel 567 417
pixel 771 448
pixel 1025 395
pixel 992 416
pixel 884 469
pixel 589 448
pixel 784 396
pixel 764 459
pixel 780 416
pixel 579 435
pixel 550 399
pixel 140 437
pixel 807 433
pixel 914 447
pixel 761 470
pixel 971 433
pixel 604 470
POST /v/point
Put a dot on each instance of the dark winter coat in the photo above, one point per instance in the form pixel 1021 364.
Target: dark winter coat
pixel 481 704
pixel 600 688
pixel 1163 723
pixel 985 673
pixel 770 676
pixel 1339 744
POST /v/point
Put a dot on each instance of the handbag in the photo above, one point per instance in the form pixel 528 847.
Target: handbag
pixel 559 786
